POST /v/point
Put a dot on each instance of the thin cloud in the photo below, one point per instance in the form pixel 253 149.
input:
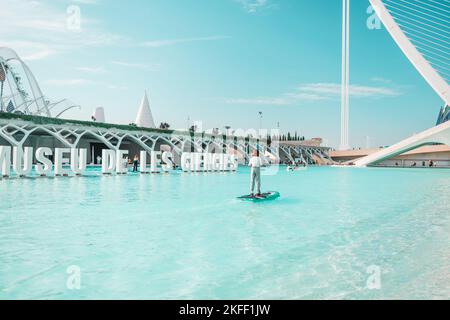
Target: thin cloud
pixel 43 30
pixel 86 1
pixel 332 90
pixel 252 6
pixel 259 101
pixel 32 50
pixel 315 92
pixel 303 96
pixel 92 70
pixel 379 79
pixel 82 82
pixel 172 42
pixel 135 65
pixel 38 30
pixel 68 82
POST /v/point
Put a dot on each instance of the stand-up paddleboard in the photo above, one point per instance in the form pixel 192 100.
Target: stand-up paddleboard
pixel 271 195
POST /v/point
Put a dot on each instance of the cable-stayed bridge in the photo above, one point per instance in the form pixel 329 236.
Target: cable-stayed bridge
pixel 421 28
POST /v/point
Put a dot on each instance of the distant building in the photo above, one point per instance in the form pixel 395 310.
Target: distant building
pixel 99 115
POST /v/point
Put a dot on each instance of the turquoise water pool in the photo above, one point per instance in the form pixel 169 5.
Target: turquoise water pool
pixel 186 236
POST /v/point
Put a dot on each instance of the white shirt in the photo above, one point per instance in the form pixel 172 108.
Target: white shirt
pixel 255 162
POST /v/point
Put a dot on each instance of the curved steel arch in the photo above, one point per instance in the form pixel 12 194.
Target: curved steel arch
pixel 7 55
pixel 419 62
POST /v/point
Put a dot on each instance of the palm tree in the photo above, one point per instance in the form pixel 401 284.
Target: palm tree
pixel 164 125
pixel 193 128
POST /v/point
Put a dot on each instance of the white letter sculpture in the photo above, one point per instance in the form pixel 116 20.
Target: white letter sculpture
pixel 155 161
pixel 186 159
pixel 44 165
pixel 208 162
pixel 5 160
pixel 108 161
pixel 121 162
pixel 78 161
pixel 22 161
pixel 167 159
pixel 217 161
pixel 60 160
pixel 143 162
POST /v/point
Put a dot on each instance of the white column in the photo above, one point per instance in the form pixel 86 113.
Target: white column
pixel 345 89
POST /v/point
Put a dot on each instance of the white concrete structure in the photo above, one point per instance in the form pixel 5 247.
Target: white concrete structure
pixel 345 82
pixel 20 133
pixel 439 134
pixel 144 117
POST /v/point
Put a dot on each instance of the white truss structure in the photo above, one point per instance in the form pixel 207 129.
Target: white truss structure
pixel 18 132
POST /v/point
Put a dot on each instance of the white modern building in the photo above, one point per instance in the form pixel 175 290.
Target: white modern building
pixel 99 115
pixel 144 117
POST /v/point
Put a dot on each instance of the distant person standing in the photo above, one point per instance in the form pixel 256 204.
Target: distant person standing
pixel 255 174
pixel 135 163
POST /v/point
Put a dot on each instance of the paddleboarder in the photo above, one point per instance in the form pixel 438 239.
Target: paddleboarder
pixel 255 174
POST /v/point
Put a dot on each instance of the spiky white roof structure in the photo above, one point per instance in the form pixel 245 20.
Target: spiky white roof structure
pixel 144 117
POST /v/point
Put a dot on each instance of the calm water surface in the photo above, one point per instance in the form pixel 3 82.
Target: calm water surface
pixel 186 236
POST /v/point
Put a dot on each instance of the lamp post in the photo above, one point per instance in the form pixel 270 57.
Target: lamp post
pixel 278 130
pixel 260 122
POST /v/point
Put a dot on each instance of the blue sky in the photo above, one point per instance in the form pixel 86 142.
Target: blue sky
pixel 222 61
